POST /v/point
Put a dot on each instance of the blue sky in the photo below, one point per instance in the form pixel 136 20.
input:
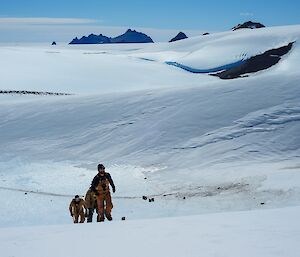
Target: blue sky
pixel 29 20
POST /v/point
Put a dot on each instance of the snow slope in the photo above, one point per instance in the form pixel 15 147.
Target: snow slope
pixel 195 143
pixel 271 233
pixel 189 142
pixel 85 69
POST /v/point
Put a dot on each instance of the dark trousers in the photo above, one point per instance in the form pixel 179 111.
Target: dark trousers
pixel 90 215
pixel 77 216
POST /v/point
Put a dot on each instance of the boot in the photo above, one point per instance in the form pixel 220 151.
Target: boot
pixel 109 217
pixel 100 218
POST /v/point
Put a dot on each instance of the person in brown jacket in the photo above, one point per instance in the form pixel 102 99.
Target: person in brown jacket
pixel 77 209
pixel 91 204
pixel 100 185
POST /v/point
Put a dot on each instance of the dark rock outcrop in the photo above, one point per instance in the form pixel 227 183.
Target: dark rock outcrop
pixel 75 41
pixel 242 67
pixel 179 36
pixel 256 63
pixel 91 39
pixel 130 36
pixel 53 43
pixel 248 25
pixel 205 34
pixel 26 92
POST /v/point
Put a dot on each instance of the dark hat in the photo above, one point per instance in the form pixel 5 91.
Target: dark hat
pixel 101 166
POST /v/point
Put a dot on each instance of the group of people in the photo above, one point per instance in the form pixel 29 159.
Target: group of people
pixel 97 198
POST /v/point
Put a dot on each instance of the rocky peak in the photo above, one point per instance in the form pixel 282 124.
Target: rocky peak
pixel 248 25
pixel 179 36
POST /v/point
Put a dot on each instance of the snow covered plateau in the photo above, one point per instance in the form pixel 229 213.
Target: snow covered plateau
pixel 220 157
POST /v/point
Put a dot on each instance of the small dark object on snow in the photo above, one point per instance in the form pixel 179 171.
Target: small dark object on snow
pixel 53 43
pixel 205 34
pixel 151 200
pixel 145 197
pixel 123 218
pixel 262 203
pixel 219 188
pixel 145 178
pixel 25 193
pixel 184 198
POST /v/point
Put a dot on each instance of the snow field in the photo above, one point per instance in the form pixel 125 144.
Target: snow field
pixel 256 233
pixel 205 146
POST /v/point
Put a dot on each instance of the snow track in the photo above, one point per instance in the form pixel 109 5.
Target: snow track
pixel 198 191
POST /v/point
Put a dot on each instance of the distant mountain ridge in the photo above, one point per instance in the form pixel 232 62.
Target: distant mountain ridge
pixel 91 39
pixel 130 36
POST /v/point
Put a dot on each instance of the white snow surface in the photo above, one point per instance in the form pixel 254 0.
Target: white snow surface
pixel 197 144
pixel 237 234
pixel 114 68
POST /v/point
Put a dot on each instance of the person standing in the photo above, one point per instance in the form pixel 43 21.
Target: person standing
pixel 100 185
pixel 91 204
pixel 77 209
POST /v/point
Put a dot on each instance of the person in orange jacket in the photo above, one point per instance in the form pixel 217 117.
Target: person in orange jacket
pixel 100 185
pixel 77 209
